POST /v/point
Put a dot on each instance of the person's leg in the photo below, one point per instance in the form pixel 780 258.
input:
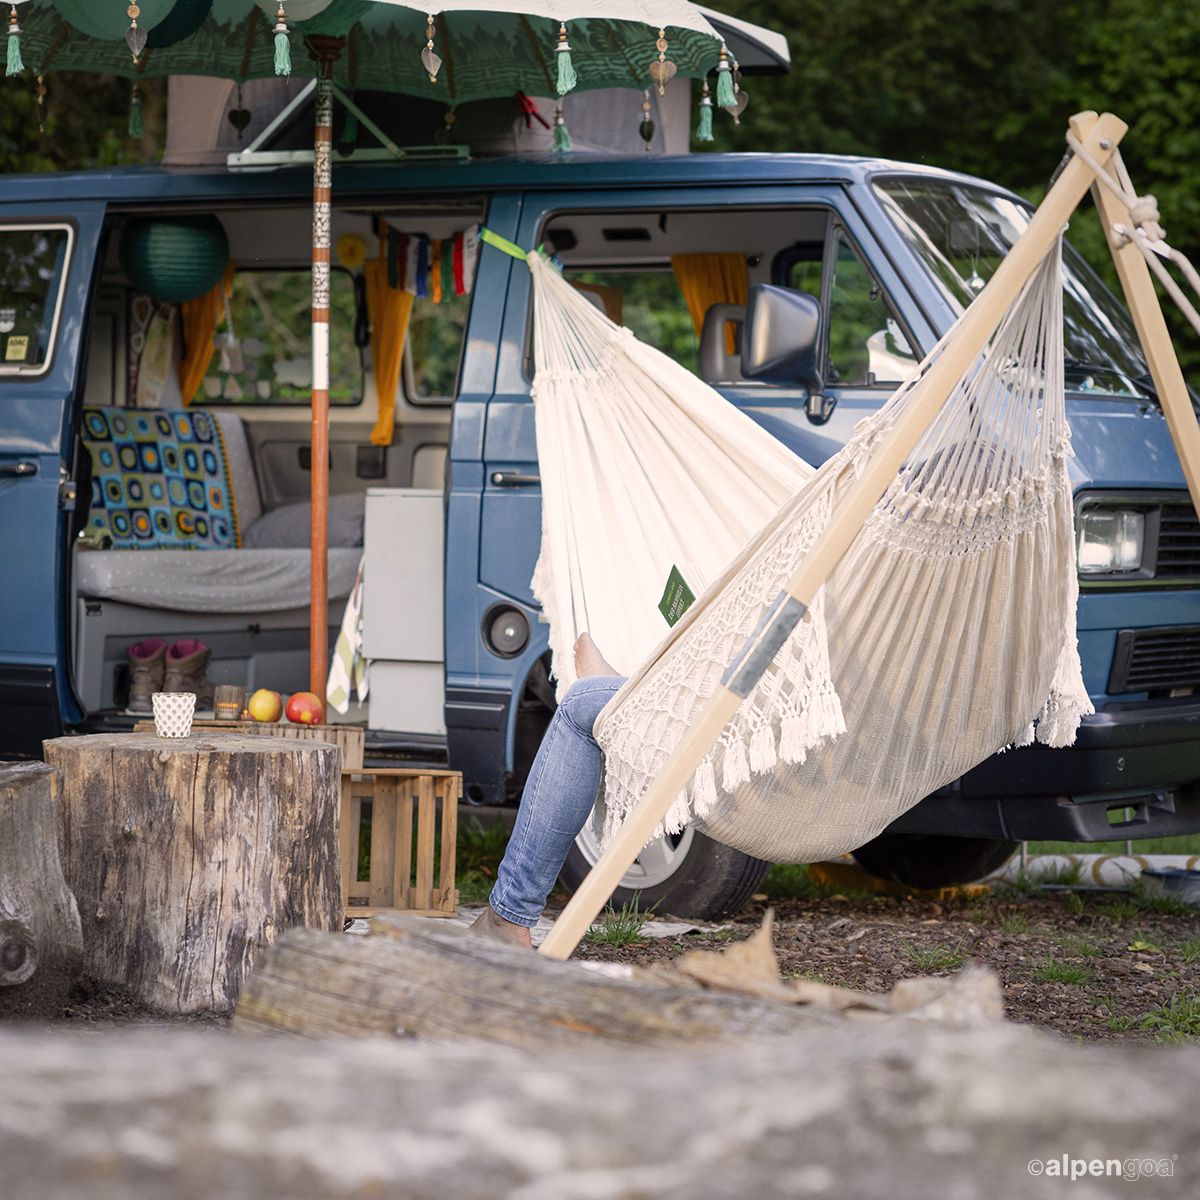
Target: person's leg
pixel 556 802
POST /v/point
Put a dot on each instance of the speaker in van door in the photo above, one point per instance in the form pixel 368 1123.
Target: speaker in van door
pixel 505 630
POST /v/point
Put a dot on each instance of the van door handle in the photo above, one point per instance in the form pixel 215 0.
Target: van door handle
pixel 18 469
pixel 514 479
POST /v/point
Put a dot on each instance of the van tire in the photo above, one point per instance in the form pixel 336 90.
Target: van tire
pixel 710 882
pixel 921 860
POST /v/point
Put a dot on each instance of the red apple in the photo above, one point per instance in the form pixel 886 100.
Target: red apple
pixel 303 708
pixel 265 705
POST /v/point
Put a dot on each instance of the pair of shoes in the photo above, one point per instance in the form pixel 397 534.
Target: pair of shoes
pixel 156 667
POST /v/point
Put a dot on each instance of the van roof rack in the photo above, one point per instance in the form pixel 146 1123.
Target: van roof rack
pixel 256 156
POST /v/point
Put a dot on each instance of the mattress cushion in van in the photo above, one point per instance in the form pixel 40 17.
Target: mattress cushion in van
pixel 231 581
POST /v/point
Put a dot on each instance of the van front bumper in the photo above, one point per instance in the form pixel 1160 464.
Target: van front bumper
pixel 1133 772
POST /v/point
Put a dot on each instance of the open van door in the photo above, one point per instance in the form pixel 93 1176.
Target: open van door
pixel 47 257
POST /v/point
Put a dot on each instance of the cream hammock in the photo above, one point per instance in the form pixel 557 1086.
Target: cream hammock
pixel 951 619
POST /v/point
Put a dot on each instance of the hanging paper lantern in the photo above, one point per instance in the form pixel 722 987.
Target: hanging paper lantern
pixel 174 259
pixel 108 20
pixel 182 21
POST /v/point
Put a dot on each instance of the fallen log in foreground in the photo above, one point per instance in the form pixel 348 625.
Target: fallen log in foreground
pixel 903 1110
pixel 429 979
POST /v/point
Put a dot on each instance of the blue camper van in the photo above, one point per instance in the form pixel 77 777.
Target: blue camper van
pixel 446 513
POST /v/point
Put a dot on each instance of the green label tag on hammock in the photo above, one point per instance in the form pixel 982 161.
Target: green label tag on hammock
pixel 677 598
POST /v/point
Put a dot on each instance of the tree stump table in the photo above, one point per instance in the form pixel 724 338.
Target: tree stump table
pixel 41 947
pixel 187 856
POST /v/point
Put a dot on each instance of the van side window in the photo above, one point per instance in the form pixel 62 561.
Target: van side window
pixel 866 344
pixel 269 360
pixel 32 263
pixel 649 303
pixel 433 350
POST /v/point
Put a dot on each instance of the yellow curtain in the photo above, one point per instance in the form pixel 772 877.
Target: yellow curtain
pixel 200 318
pixel 389 310
pixel 708 279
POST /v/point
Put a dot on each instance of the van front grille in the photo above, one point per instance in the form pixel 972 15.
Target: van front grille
pixel 1156 660
pixel 1178 542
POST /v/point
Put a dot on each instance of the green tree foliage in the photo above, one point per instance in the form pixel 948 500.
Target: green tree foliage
pixel 86 119
pixel 982 86
pixel 986 86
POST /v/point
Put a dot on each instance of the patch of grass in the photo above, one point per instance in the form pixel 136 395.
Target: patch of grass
pixel 1189 949
pixel 481 845
pixel 474 887
pixel 934 958
pixel 1020 886
pixel 1074 903
pixel 1059 972
pixel 1015 923
pixel 1066 875
pixel 1080 947
pixel 1177 1021
pixel 810 975
pixel 480 848
pixel 1154 902
pixel 1119 910
pixel 618 927
pixel 728 934
pixel 1121 1023
pixel 1185 844
pixel 792 881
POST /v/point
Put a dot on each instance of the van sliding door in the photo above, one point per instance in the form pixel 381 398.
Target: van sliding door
pixel 47 255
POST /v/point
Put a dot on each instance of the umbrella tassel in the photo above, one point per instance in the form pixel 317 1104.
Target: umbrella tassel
pixel 562 135
pixel 725 96
pixel 567 78
pixel 283 43
pixel 137 123
pixel 704 127
pixel 15 65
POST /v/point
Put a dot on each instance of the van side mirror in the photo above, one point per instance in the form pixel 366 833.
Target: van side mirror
pixel 779 343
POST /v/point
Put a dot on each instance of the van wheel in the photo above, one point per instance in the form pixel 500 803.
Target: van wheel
pixel 684 875
pixel 933 860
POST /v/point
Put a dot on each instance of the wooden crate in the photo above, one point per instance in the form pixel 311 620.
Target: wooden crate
pixel 349 737
pixel 408 871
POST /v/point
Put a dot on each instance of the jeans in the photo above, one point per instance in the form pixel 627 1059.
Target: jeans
pixel 556 802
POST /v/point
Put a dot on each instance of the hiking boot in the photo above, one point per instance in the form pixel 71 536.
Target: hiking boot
pixel 186 667
pixel 146 668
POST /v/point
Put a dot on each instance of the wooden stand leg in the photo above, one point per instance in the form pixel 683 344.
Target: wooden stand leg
pixel 1151 325
pixel 977 325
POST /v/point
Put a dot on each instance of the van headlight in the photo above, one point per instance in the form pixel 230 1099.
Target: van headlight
pixel 1111 540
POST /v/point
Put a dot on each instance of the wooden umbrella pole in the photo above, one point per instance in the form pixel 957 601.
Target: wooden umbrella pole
pixel 1151 325
pixel 978 324
pixel 326 51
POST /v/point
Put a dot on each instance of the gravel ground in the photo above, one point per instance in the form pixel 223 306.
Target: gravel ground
pixel 1093 967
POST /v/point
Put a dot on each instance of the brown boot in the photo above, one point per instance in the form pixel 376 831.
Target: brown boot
pixel 491 924
pixel 186 670
pixel 146 663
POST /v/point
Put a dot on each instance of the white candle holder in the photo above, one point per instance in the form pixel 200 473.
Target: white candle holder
pixel 173 712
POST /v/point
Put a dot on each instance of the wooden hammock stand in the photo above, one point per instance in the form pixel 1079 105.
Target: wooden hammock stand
pixel 1098 137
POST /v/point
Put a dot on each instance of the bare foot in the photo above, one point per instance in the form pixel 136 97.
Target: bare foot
pixel 588 659
pixel 491 924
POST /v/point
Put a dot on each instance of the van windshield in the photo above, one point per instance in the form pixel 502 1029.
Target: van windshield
pixel 962 232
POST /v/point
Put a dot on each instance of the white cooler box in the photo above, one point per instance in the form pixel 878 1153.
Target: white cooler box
pixel 402 609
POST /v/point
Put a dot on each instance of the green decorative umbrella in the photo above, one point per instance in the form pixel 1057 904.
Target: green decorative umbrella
pixel 457 50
